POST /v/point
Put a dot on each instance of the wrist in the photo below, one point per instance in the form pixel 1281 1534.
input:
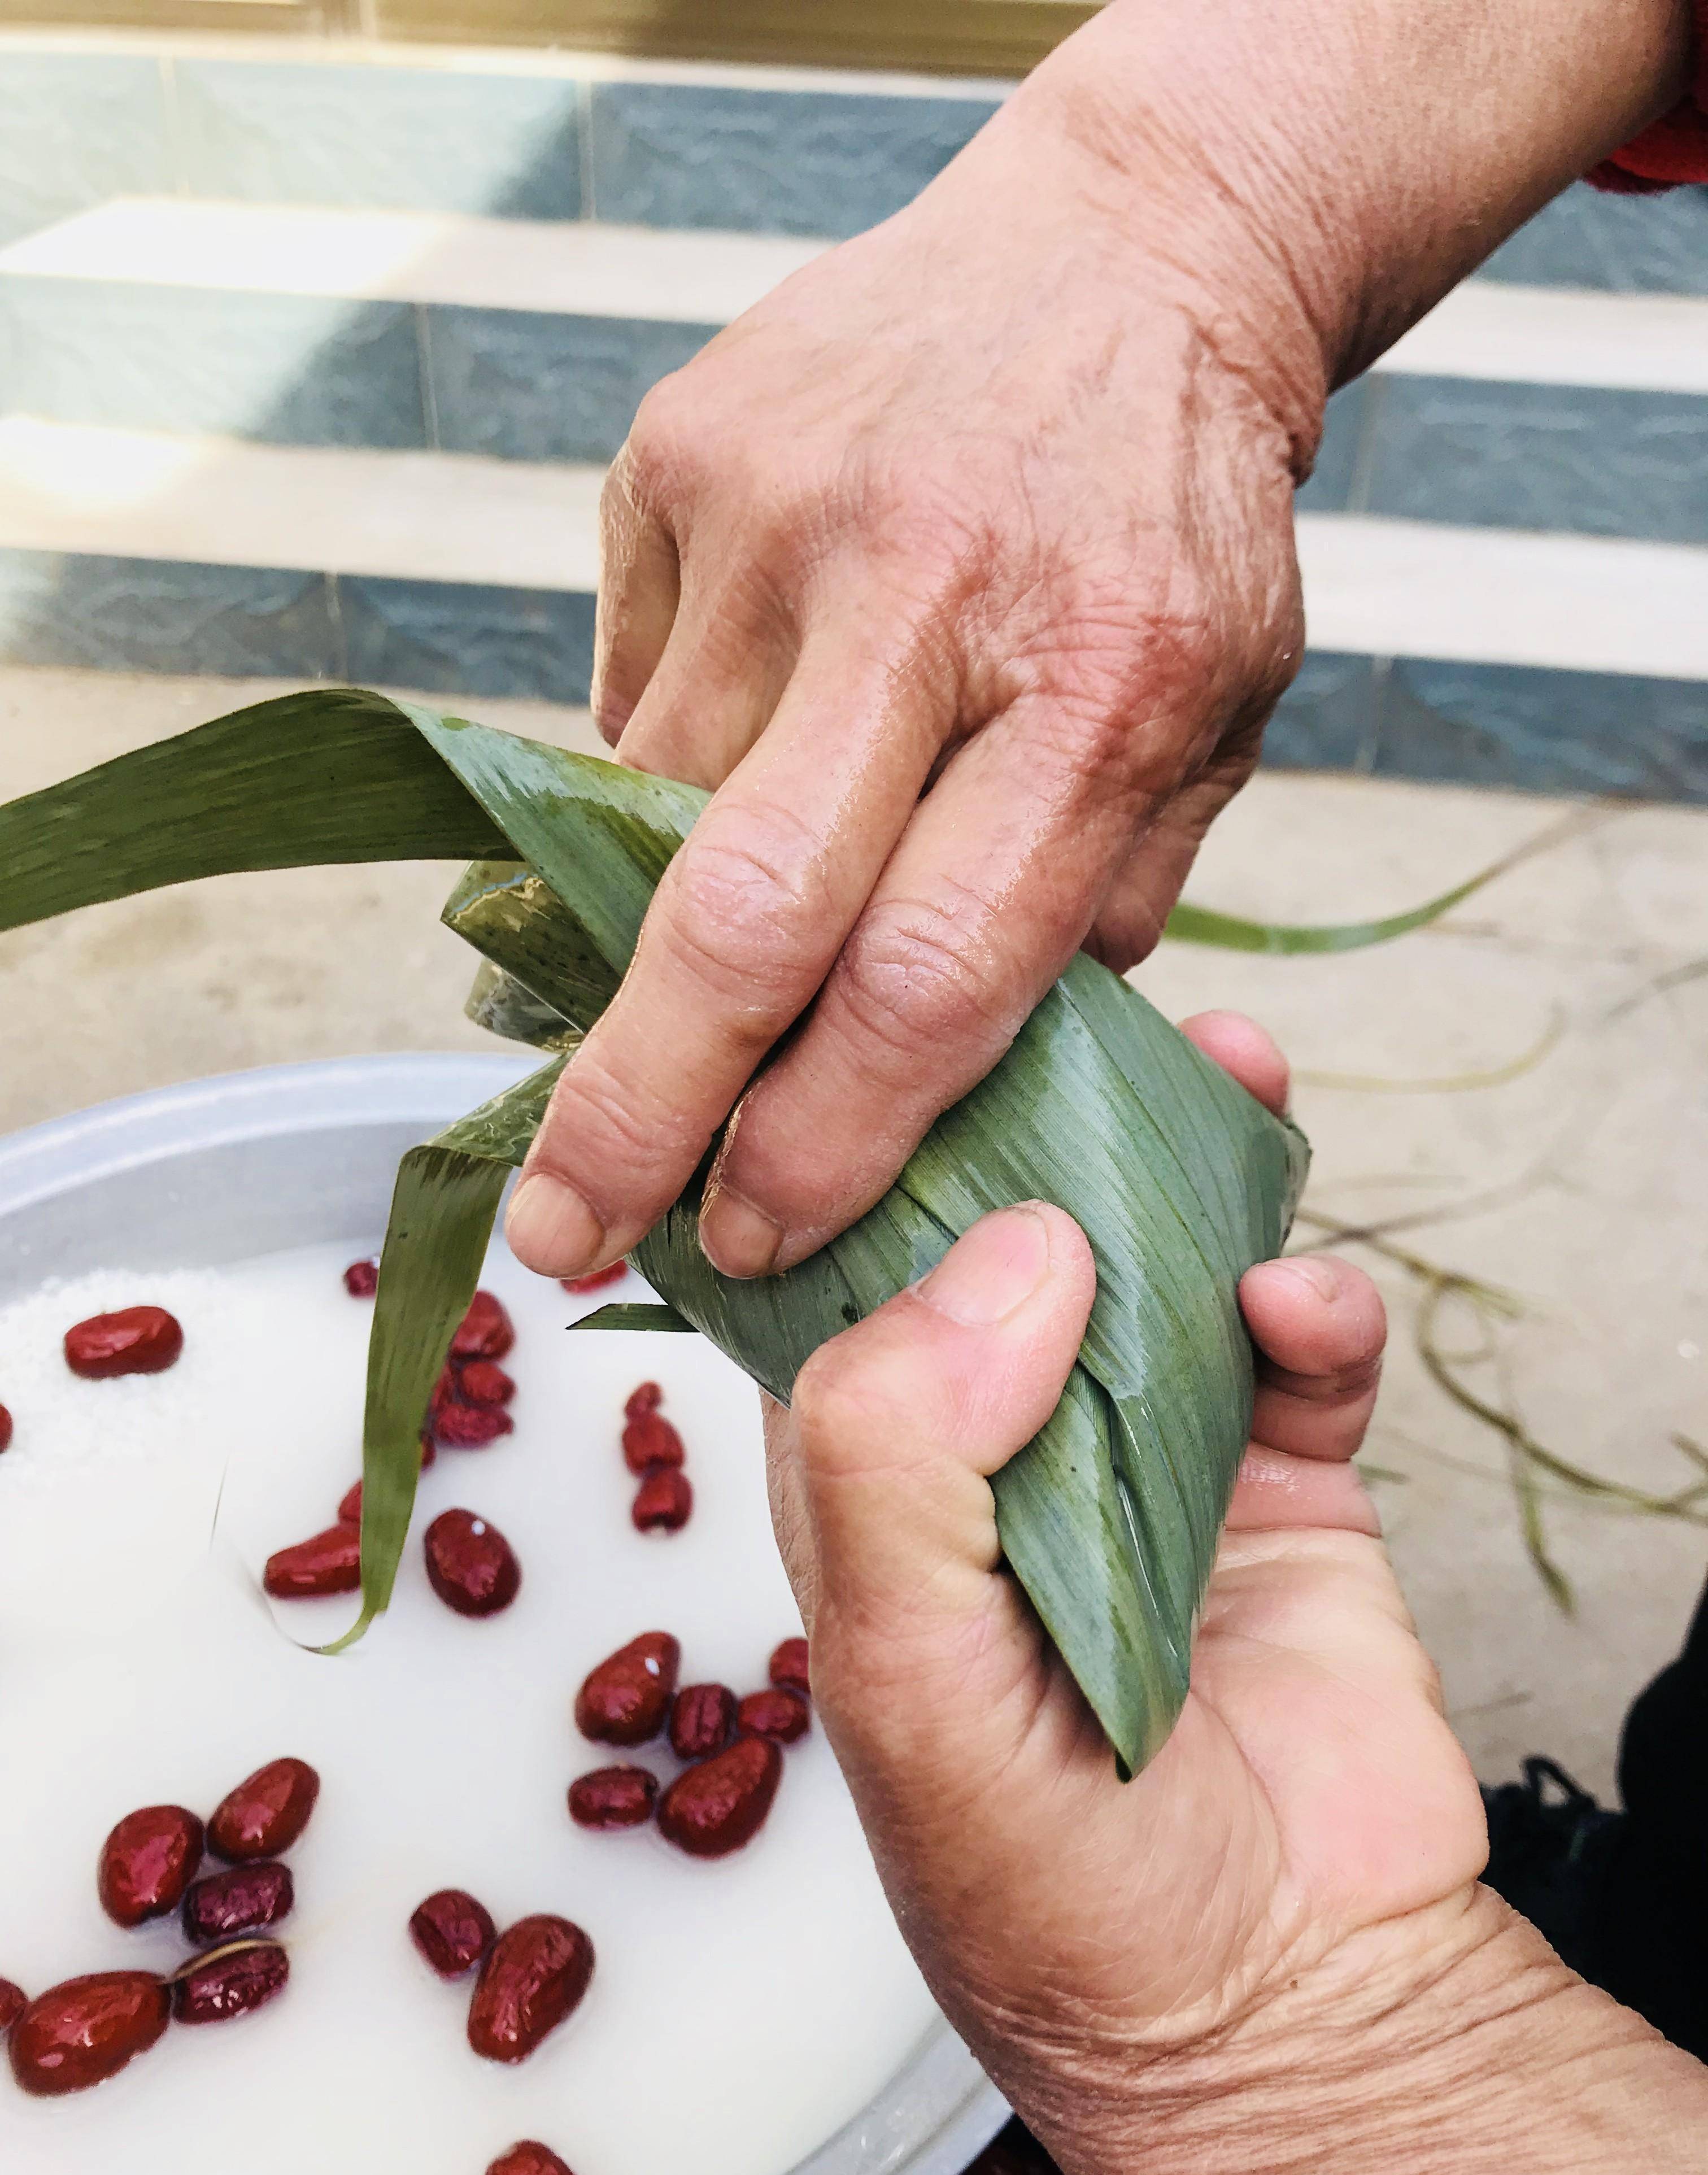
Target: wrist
pixel 1455 2043
pixel 1338 169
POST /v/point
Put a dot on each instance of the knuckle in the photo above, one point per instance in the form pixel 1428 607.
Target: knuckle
pixel 749 907
pixel 831 1402
pixel 616 1127
pixel 660 454
pixel 911 976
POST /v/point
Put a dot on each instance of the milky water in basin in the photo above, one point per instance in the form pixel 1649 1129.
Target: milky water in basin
pixel 741 2011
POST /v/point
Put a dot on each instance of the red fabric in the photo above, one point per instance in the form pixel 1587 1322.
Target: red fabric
pixel 1672 149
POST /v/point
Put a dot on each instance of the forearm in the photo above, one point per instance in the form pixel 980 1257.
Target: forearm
pixel 1461 2048
pixel 1326 172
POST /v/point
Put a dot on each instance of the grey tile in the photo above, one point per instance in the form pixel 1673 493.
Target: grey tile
pixel 296 369
pixel 1329 487
pixel 76 129
pixel 416 139
pixel 772 162
pixel 165 615
pixel 1561 457
pixel 1326 720
pixel 1545 732
pixel 455 637
pixel 533 386
pixel 1586 238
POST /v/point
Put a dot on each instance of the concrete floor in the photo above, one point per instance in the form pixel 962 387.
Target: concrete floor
pixel 1580 1186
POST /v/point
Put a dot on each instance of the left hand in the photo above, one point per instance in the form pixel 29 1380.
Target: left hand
pixel 1312 1819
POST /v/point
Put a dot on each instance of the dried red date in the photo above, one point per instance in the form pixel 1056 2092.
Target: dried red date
pixel 5 1429
pixel 13 2001
pixel 626 1699
pixel 719 1806
pixel 703 1720
pixel 484 1382
pixel 534 1977
pixel 775 1713
pixel 614 1797
pixel 663 1502
pixel 597 1280
pixel 486 1332
pixel 83 2032
pixel 649 1439
pixel 362 1279
pixel 148 1862
pixel 229 1984
pixel 644 1397
pixel 240 1901
pixel 788 1669
pixel 470 1565
pixel 453 1931
pixel 325 1563
pixel 137 1340
pixel 471 1427
pixel 530 2158
pixel 265 1814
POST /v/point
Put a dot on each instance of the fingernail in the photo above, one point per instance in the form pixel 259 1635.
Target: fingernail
pixel 551 1229
pixel 994 1269
pixel 738 1238
pixel 1323 1277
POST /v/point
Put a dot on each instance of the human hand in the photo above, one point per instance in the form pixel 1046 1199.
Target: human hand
pixel 1272 1941
pixel 962 567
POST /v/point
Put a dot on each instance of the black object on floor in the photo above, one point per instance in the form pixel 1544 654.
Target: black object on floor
pixel 1623 1896
pixel 1014 2150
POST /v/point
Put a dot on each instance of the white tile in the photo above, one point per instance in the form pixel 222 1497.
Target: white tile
pixel 434 517
pixel 1559 336
pixel 1421 589
pixel 582 266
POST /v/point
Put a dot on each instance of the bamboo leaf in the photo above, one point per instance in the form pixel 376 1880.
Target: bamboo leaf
pixel 333 775
pixel 1231 932
pixel 637 1316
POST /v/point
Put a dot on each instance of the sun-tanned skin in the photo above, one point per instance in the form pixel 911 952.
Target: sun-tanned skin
pixel 996 501
pixel 1270 1953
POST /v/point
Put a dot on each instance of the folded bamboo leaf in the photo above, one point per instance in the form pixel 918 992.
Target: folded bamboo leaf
pixel 636 1316
pixel 1111 1516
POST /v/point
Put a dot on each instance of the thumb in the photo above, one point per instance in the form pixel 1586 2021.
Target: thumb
pixel 886 1455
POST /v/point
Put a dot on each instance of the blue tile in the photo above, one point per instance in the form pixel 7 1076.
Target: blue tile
pixel 294 369
pixel 1633 245
pixel 165 615
pixel 1330 485
pixel 414 139
pixel 76 129
pixel 1326 720
pixel 769 162
pixel 531 386
pixel 1545 732
pixel 458 639
pixel 1559 456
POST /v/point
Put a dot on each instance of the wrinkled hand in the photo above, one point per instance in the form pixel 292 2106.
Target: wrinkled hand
pixel 1312 1797
pixel 964 567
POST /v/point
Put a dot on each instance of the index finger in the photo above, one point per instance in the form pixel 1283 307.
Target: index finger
pixel 744 927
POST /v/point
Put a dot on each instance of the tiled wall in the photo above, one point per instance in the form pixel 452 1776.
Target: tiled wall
pixel 78 129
